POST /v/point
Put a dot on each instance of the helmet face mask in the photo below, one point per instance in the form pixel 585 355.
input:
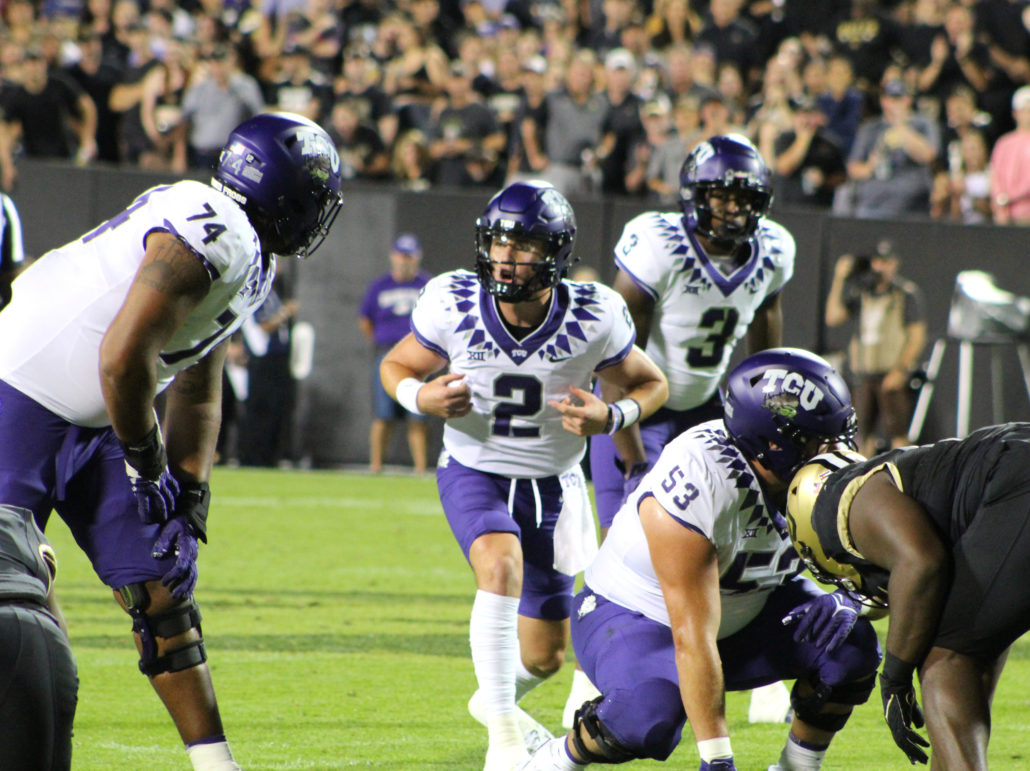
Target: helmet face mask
pixel 532 218
pixel 285 173
pixel 719 171
pixel 802 495
pixel 782 405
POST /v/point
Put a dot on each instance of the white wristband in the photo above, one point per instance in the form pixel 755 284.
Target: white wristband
pixel 407 394
pixel 630 410
pixel 713 749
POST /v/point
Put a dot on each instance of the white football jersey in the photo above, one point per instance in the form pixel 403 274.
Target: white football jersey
pixel 511 429
pixel 700 313
pixel 65 301
pixel 703 481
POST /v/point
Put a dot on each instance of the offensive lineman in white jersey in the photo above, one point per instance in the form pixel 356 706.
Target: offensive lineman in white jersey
pixel 696 590
pixel 522 346
pixel 696 282
pixel 98 328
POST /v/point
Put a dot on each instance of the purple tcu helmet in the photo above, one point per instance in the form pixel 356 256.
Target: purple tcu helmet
pixel 536 214
pixel 285 173
pixel 786 397
pixel 729 164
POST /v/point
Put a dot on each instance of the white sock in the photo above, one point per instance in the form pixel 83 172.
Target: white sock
pixel 493 638
pixel 214 756
pixel 797 756
pixel 525 681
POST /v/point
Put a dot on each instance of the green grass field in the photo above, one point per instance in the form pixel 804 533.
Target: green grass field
pixel 336 617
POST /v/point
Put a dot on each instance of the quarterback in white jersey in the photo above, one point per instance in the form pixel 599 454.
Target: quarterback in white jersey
pixel 696 282
pixel 144 304
pixel 522 345
pixel 696 590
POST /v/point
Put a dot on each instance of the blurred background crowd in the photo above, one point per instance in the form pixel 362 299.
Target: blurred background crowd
pixel 872 108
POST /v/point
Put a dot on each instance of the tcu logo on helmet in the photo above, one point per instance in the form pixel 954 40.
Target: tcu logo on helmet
pixel 789 390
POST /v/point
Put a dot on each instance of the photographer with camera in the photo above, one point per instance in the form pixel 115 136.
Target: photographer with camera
pixel 890 332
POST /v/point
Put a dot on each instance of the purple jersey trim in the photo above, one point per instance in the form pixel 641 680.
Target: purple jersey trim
pixel 426 343
pixel 677 520
pixel 617 358
pixel 638 281
pixel 726 284
pixel 529 345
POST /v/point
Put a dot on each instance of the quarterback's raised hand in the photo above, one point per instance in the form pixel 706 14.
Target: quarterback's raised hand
pixel 146 465
pixel 825 621
pixel 901 709
pixel 584 419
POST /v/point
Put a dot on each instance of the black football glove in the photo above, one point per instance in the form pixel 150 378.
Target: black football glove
pixel 900 708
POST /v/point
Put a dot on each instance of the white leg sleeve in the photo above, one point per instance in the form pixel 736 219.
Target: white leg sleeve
pixel 493 638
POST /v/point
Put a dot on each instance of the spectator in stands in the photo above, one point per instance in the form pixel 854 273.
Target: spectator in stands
pixel 465 140
pixel 572 120
pixel 299 87
pixel 622 128
pixel 842 102
pixel 164 89
pixel 606 31
pixel 410 161
pixel 962 191
pixel 417 71
pixel 318 31
pixel 503 96
pixel 97 76
pixel 956 57
pixel 644 170
pixel 807 162
pixel 1010 167
pixel 48 115
pixel 715 120
pixel 1001 25
pixel 21 21
pixel 360 83
pixel 525 153
pixel 679 74
pixel 891 159
pixel 666 161
pixel 127 96
pixel 732 36
pixel 433 24
pixel 870 38
pixel 219 98
pixel 363 154
pixel 673 22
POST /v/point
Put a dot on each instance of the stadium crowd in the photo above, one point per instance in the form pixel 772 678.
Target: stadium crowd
pixel 876 108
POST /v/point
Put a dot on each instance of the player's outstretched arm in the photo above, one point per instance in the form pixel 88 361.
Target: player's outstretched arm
pixel 403 374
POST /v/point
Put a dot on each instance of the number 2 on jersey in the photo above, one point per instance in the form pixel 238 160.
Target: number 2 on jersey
pixel 530 394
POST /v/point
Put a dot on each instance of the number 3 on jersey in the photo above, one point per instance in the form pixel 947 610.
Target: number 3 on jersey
pixel 529 392
pixel 721 322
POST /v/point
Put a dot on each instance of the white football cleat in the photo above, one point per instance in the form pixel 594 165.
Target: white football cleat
pixel 581 692
pixel 770 704
pixel 534 733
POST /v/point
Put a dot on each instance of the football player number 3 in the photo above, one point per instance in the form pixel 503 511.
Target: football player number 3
pixel 524 395
pixel 721 322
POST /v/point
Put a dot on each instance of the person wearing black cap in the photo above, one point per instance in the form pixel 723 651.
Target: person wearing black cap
pixel 891 158
pixel 890 334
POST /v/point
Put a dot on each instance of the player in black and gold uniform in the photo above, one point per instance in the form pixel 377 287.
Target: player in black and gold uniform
pixel 940 534
pixel 38 679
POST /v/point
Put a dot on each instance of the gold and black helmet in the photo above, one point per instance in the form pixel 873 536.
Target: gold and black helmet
pixel 802 494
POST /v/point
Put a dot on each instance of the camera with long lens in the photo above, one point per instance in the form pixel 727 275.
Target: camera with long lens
pixel 862 276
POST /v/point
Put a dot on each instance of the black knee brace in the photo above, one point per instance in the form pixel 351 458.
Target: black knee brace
pixel 170 623
pixel 811 708
pixel 612 751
